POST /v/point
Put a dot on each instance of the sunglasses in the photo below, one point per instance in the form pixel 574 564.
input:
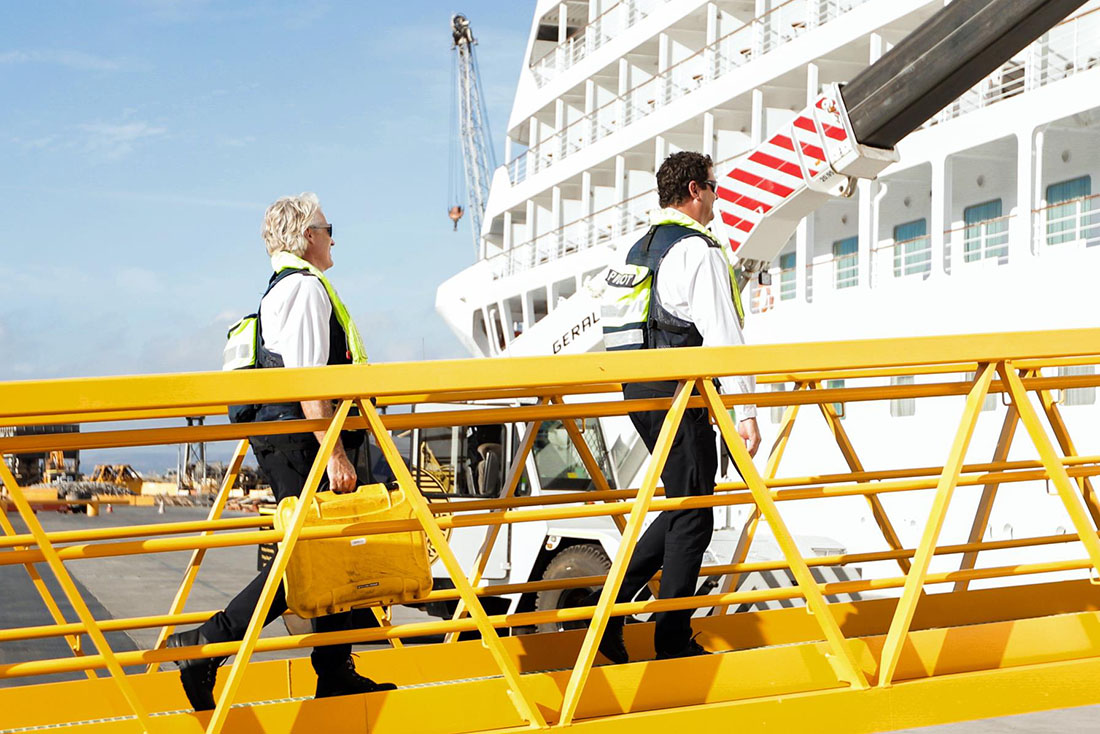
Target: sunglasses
pixel 326 227
pixel 712 184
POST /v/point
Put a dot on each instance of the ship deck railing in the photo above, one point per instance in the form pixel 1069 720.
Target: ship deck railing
pixel 761 35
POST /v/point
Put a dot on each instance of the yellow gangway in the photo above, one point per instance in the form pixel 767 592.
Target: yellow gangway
pixel 927 649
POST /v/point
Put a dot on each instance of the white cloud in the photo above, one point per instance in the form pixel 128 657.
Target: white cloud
pixel 226 317
pixel 241 141
pixel 68 58
pixel 115 140
pixel 40 143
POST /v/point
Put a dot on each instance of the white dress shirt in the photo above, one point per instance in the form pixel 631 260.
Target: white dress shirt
pixel 294 317
pixel 693 284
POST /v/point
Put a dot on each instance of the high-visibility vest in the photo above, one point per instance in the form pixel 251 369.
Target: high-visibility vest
pixel 631 313
pixel 245 347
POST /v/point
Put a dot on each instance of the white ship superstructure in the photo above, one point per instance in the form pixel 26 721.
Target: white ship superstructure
pixel 987 222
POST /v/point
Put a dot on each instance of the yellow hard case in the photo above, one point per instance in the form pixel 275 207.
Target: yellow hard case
pixel 329 575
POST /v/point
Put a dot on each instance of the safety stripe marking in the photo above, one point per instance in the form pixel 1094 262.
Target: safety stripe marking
pixel 778 164
pixel 743 201
pixel 737 222
pixel 761 183
pixel 790 175
pixel 740 188
pixel 831 131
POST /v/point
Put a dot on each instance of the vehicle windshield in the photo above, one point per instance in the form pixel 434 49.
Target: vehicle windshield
pixel 557 461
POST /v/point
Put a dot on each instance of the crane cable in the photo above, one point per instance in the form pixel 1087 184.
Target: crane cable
pixel 456 183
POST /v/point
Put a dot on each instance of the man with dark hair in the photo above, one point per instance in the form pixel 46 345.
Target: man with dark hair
pixel 676 288
pixel 676 175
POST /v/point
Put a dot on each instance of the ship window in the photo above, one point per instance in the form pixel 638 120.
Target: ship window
pixel 480 332
pixel 990 402
pixel 902 407
pixel 788 277
pixel 986 233
pixel 557 461
pixel 536 304
pixel 837 384
pixel 1078 395
pixel 778 410
pixel 912 248
pixel 1070 213
pixel 563 289
pixel 513 307
pixel 846 262
pixel 497 325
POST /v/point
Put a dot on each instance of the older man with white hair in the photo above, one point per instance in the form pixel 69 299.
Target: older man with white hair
pixel 302 323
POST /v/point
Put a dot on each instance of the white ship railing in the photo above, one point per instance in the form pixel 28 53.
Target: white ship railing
pixel 902 258
pixel 1067 223
pixel 983 240
pixel 609 24
pixel 759 36
pixel 1069 48
pixel 598 228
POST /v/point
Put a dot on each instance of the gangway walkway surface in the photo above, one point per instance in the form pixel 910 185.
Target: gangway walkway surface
pixel 934 651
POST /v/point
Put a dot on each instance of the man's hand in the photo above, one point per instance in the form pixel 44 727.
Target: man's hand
pixel 750 434
pixel 341 474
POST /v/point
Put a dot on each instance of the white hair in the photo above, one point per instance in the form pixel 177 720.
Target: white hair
pixel 286 221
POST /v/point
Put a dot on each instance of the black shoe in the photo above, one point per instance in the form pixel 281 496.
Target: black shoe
pixel 690 650
pixel 344 681
pixel 611 644
pixel 197 675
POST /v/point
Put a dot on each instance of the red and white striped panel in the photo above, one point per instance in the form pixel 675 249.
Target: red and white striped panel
pixel 770 174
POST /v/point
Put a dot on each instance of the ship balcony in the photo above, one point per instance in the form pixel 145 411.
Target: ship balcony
pixel 716 61
pixel 1071 47
pixel 601 228
pixel 760 35
pixel 1061 231
pixel 1068 50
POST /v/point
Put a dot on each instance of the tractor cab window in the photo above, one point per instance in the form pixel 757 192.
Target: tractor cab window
pixel 558 462
pixel 463 461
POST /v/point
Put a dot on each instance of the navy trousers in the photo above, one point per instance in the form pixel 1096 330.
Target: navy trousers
pixel 286 462
pixel 677 539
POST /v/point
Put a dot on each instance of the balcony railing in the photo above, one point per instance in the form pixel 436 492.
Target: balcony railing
pixel 598 228
pixel 902 258
pixel 1066 224
pixel 759 36
pixel 609 24
pixel 1073 221
pixel 983 240
pixel 1069 48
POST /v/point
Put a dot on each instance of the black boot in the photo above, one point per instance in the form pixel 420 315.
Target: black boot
pixel 197 675
pixel 690 650
pixel 611 644
pixel 344 681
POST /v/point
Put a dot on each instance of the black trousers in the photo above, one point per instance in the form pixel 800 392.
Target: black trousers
pixel 286 462
pixel 676 540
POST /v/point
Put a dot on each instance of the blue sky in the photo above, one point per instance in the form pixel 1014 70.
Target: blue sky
pixel 141 140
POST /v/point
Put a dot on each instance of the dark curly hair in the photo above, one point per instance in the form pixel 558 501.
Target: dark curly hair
pixel 678 170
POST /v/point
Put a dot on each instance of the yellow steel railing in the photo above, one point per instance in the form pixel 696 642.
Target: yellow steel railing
pixel 540 389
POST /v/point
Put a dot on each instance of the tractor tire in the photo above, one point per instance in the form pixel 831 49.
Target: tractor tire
pixel 576 560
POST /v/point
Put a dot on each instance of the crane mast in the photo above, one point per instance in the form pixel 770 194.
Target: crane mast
pixel 473 128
